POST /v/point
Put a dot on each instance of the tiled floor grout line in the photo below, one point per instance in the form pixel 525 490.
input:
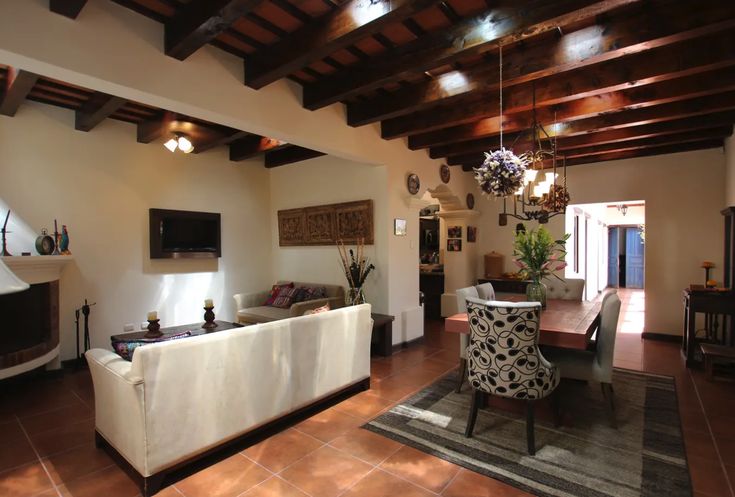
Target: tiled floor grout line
pixel 449 483
pixel 40 461
pixel 711 433
pixel 81 399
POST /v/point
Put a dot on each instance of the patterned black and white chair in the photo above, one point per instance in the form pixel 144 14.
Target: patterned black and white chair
pixel 484 291
pixel 504 358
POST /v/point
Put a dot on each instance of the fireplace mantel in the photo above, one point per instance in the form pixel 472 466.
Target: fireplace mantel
pixel 36 269
pixel 43 273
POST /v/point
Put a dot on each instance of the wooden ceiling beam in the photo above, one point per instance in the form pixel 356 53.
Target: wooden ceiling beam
pixel 638 70
pixel 656 141
pixel 473 36
pixel 67 8
pixel 463 152
pixel 612 38
pixel 632 154
pixel 219 138
pixel 570 149
pixel 152 130
pixel 99 107
pixel 720 81
pixel 200 22
pixel 646 152
pixel 250 146
pixel 19 85
pixel 339 29
pixel 289 154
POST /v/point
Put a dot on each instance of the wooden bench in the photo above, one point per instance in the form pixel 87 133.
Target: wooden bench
pixel 712 351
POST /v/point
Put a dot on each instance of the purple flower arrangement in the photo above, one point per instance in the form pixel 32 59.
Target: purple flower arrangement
pixel 502 172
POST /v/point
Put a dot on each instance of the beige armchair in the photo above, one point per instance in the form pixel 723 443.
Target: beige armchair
pixel 250 308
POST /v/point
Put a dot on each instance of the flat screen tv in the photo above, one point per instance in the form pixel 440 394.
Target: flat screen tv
pixel 184 234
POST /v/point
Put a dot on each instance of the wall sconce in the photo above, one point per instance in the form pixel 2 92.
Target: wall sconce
pixel 181 142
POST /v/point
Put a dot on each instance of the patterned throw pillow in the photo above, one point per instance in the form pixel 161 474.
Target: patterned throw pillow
pixel 275 291
pixel 285 298
pixel 312 293
pixel 318 310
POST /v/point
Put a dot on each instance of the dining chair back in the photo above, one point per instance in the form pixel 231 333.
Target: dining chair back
pixel 564 289
pixel 609 315
pixel 504 359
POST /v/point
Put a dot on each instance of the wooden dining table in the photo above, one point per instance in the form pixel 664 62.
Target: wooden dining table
pixel 564 323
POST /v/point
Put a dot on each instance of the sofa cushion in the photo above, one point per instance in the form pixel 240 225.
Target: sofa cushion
pixel 276 290
pixel 310 293
pixel 318 310
pixel 285 298
pixel 262 314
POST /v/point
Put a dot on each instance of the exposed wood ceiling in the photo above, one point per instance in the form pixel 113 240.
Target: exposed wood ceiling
pixel 92 107
pixel 611 78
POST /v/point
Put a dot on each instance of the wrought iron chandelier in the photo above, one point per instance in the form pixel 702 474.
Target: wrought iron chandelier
pixel 519 177
pixel 542 196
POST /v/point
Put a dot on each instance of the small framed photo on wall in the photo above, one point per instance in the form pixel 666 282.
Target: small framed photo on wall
pixel 454 245
pixel 454 232
pixel 471 234
pixel 399 227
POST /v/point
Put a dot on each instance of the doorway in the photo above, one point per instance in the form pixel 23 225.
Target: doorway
pixel 606 247
pixel 626 262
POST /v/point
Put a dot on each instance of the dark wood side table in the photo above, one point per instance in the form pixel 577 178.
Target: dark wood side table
pixel 719 322
pixel 381 342
pixel 195 329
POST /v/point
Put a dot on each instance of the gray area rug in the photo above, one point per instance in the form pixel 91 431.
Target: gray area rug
pixel 644 456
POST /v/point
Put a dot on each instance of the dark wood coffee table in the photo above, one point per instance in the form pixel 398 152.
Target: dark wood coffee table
pixel 195 329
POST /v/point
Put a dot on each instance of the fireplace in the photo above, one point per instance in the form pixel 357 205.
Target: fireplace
pixel 30 324
pixel 29 320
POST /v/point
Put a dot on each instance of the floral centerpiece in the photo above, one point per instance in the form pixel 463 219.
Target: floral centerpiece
pixel 356 268
pixel 501 174
pixel 538 255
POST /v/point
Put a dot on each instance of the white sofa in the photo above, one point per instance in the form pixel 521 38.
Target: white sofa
pixel 180 398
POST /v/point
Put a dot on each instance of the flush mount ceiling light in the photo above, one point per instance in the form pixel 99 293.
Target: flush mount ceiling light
pixel 181 142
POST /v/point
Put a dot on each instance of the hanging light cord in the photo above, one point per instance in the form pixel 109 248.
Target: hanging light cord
pixel 501 96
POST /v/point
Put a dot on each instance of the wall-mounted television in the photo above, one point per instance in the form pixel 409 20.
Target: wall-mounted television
pixel 184 234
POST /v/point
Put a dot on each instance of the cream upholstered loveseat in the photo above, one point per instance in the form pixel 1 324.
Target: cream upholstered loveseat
pixel 250 308
pixel 178 399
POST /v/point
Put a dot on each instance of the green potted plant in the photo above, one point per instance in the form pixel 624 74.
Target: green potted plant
pixel 538 255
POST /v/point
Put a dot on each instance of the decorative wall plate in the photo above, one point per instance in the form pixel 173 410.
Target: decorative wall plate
pixel 445 173
pixel 470 201
pixel 413 184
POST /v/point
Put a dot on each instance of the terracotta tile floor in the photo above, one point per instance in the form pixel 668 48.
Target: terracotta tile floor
pixel 46 448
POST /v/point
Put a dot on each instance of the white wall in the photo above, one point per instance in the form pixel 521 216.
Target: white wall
pixel 101 185
pixel 81 51
pixel 683 222
pixel 327 180
pixel 730 170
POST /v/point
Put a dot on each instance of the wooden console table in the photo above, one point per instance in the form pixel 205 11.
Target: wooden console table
pixel 381 342
pixel 719 322
pixel 194 328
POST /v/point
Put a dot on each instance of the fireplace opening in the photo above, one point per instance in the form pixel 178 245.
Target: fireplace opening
pixel 30 326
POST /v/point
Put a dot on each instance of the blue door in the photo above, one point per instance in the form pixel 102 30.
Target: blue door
pixel 612 257
pixel 634 258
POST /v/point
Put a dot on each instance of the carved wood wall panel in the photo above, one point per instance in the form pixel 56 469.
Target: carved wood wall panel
pixel 325 224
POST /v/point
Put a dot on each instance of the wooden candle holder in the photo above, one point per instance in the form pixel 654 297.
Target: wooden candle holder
pixel 209 323
pixel 154 329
